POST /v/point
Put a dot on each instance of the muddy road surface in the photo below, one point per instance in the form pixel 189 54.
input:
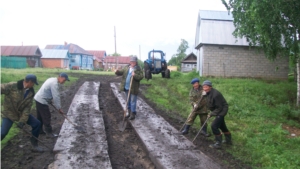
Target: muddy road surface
pixel 125 150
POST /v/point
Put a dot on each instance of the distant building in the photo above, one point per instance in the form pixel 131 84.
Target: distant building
pixel 221 54
pixel 55 58
pixel 116 62
pixel 31 53
pixel 80 58
pixel 99 56
pixel 189 63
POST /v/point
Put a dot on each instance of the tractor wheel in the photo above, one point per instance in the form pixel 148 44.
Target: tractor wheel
pixel 167 73
pixel 146 69
pixel 148 75
pixel 163 74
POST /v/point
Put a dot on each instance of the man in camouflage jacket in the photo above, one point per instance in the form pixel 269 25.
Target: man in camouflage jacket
pixel 132 71
pixel 199 108
pixel 16 108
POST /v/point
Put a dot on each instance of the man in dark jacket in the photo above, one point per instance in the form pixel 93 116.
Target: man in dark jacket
pixel 132 71
pixel 16 108
pixel 198 102
pixel 219 108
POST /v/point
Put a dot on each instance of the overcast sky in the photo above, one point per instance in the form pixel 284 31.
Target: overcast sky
pixel 150 24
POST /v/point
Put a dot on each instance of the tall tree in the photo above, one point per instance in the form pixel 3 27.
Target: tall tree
pixel 176 59
pixel 273 25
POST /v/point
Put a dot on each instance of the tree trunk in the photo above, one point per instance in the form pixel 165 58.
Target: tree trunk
pixel 298 82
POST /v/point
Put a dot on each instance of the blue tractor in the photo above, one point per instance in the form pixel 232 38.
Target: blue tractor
pixel 156 64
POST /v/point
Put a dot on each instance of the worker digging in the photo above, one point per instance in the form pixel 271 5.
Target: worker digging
pixel 198 102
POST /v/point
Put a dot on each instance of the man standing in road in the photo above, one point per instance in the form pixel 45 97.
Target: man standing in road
pixel 198 102
pixel 16 108
pixel 219 108
pixel 132 71
pixel 49 93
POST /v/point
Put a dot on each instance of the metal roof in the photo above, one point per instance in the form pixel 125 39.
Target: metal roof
pixel 73 48
pixel 98 54
pixel 21 51
pixel 215 15
pixel 55 53
pixel 190 58
pixel 217 30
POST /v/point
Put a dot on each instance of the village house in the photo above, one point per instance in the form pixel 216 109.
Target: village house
pixel 20 56
pixel 116 62
pixel 189 63
pixel 80 58
pixel 221 54
pixel 99 56
pixel 55 58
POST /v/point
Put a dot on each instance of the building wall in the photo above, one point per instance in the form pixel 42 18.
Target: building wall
pixel 238 61
pixel 187 67
pixel 52 63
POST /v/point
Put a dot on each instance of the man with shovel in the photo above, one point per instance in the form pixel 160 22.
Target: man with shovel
pixel 135 72
pixel 198 102
pixel 48 93
pixel 219 108
pixel 16 108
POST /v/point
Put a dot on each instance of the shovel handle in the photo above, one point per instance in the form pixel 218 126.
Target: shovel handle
pixel 28 133
pixel 200 129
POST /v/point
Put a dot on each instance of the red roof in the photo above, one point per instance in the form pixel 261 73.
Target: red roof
pixel 98 54
pixel 21 51
pixel 117 59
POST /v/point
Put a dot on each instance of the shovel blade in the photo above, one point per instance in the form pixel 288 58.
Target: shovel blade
pixel 122 125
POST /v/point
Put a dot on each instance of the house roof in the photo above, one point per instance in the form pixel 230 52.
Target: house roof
pixel 21 51
pixel 73 48
pixel 190 58
pixel 117 59
pixel 216 28
pixel 98 54
pixel 55 53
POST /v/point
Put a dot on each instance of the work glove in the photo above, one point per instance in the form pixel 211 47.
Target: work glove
pixel 20 125
pixel 195 105
pixel 203 93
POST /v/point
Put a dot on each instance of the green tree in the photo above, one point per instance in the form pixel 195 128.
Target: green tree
pixel 176 59
pixel 272 25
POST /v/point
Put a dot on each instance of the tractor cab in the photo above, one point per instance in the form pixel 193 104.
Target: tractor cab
pixel 156 64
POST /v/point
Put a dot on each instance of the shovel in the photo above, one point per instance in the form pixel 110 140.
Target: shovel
pixel 123 124
pixel 200 129
pixel 76 126
pixel 28 133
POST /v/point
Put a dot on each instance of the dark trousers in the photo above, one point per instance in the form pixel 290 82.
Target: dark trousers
pixel 32 121
pixel 219 123
pixel 43 115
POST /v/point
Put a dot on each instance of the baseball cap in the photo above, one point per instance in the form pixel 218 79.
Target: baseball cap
pixel 195 80
pixel 133 59
pixel 31 77
pixel 65 76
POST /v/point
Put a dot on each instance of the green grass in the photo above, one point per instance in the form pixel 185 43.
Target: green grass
pixel 13 75
pixel 257 111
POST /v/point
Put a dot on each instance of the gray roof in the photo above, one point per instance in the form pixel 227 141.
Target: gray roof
pixel 216 28
pixel 55 53
pixel 215 15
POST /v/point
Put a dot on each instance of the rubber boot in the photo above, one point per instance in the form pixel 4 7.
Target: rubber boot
pixel 227 139
pixel 128 113
pixel 132 116
pixel 35 147
pixel 218 142
pixel 49 133
pixel 204 132
pixel 186 129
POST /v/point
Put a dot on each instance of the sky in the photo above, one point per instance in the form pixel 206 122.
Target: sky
pixel 141 25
